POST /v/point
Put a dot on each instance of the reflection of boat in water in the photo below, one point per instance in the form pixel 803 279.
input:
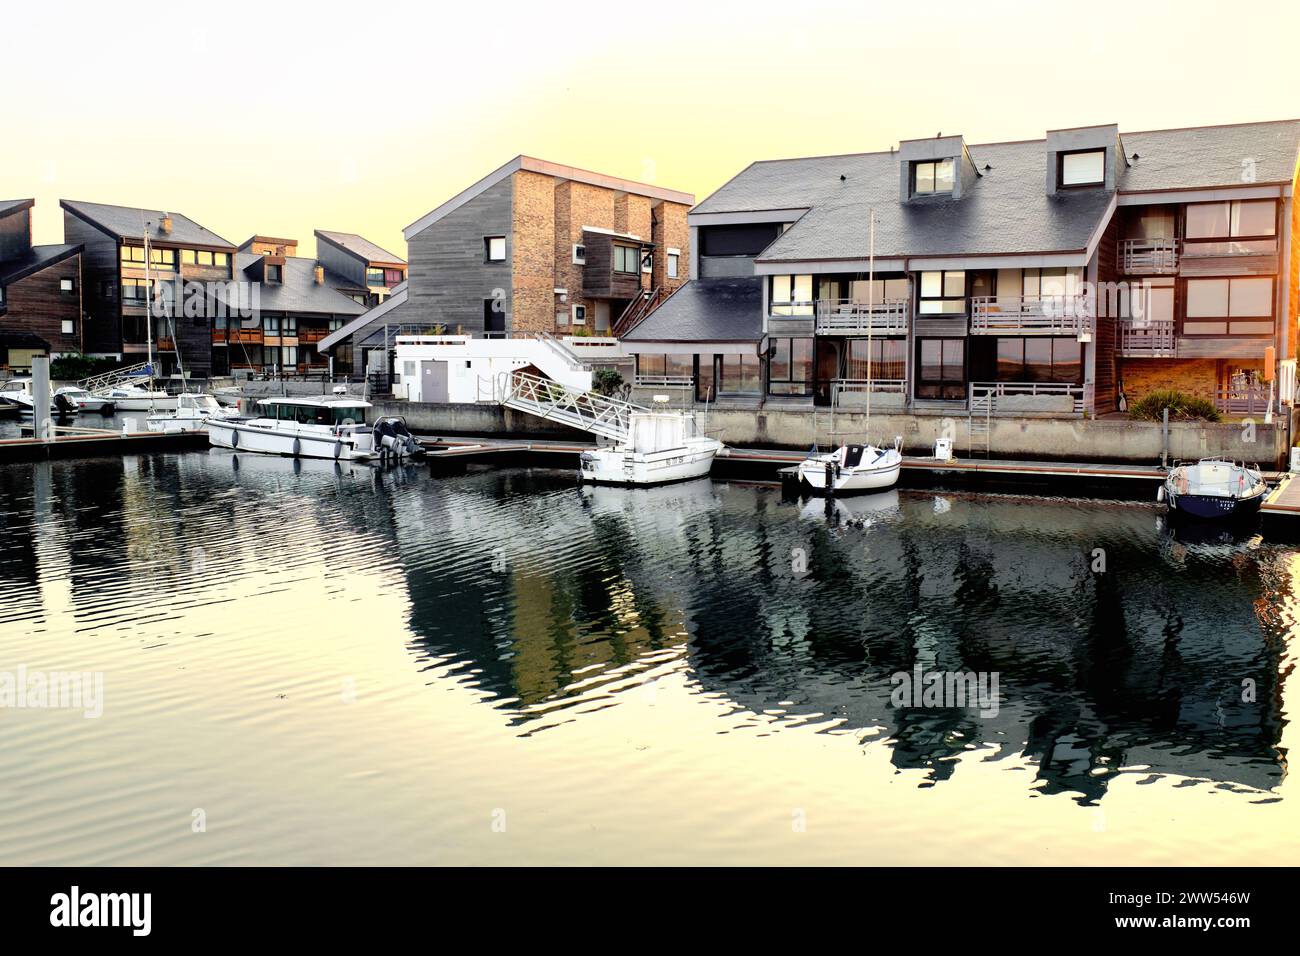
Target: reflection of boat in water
pixel 858 509
pixel 680 499
pixel 246 464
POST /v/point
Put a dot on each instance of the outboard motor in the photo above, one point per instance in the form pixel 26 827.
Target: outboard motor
pixel 64 404
pixel 394 440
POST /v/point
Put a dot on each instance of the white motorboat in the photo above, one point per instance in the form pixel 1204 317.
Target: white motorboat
pixel 300 427
pixel 191 415
pixel 18 391
pixel 661 447
pixel 851 468
pixel 73 398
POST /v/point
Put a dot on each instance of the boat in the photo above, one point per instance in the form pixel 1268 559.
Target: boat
pixel 661 447
pixel 851 468
pixel 73 398
pixel 324 427
pixel 193 411
pixel 18 392
pixel 1214 488
pixel 136 398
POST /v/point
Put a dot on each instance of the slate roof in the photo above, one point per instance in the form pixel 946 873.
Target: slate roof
pixel 1006 211
pixel 34 260
pixel 359 246
pixel 8 206
pixel 364 325
pixel 127 222
pixel 299 291
pixel 713 310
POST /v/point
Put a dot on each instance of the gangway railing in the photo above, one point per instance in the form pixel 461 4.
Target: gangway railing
pixel 116 377
pixel 587 411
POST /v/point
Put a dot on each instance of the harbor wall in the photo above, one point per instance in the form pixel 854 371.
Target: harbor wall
pixel 1033 439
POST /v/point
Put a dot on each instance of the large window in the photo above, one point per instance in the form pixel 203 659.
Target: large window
pixel 879 290
pixel 943 293
pixel 932 176
pixel 791 295
pixel 888 359
pixel 941 368
pixel 665 364
pixel 790 368
pixel 1224 220
pixel 740 374
pixel 627 259
pixel 1039 359
pixel 1240 306
pixel 1085 168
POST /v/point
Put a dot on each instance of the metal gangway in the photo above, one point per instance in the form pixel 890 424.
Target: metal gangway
pixel 587 411
pixel 116 377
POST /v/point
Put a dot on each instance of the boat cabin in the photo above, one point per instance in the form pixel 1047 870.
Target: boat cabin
pixel 312 411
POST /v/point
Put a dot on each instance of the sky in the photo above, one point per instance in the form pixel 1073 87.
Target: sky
pixel 283 118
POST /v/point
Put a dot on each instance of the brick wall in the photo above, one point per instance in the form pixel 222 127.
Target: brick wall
pixel 533 261
pixel 671 232
pixel 36 305
pixel 1193 376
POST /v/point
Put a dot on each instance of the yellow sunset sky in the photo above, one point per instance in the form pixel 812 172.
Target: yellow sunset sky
pixel 278 118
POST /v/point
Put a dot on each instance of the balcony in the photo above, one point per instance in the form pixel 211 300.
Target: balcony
pixel 883 393
pixel 1019 398
pixel 1244 400
pixel 1147 338
pixel 245 336
pixel 1031 315
pixel 849 317
pixel 1148 256
pixel 310 336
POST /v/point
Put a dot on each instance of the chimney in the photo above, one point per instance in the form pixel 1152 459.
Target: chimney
pixel 165 224
pixel 319 274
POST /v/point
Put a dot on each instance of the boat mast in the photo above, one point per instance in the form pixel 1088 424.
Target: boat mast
pixel 871 309
pixel 148 305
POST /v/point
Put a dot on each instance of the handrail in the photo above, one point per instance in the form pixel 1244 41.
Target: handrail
pixel 1066 314
pixel 588 411
pixel 850 315
pixel 1147 255
pixel 115 377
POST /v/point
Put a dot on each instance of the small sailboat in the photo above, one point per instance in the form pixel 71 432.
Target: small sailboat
pixel 191 415
pixel 1214 488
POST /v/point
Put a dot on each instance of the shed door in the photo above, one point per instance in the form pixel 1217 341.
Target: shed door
pixel 433 381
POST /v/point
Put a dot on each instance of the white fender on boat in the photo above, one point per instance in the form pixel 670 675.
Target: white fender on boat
pixel 1160 493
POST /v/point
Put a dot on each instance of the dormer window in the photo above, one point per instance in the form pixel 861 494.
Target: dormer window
pixel 274 273
pixel 932 177
pixel 1085 168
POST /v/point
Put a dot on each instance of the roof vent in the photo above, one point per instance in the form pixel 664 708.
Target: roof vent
pixel 165 224
pixel 318 274
pixel 843 177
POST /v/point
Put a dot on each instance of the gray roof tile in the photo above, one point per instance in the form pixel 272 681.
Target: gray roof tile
pixel 706 310
pixel 127 222
pixel 359 246
pixel 299 291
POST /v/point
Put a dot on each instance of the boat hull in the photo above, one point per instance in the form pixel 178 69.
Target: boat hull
pixel 614 466
pixel 167 403
pixel 244 437
pixel 1215 506
pixel 813 473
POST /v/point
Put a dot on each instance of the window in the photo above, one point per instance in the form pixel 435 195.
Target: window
pixel 943 293
pixel 745 240
pixel 375 276
pixel 1087 168
pixel 108 289
pixel 134 291
pixel 274 273
pixel 791 295
pixel 579 315
pixel 941 368
pixel 740 373
pixel 790 366
pixel 203 258
pixel 659 364
pixel 289 325
pixel 883 290
pixel 673 259
pixel 289 355
pixel 1224 220
pixel 1040 359
pixel 494 315
pixel 648 262
pixel 888 359
pixel 67 285
pixel 163 258
pixel 1241 306
pixel 627 259
pixel 271 324
pixel 495 248
pixel 579 254
pixel 932 176
pixel 69 327
pixel 393 277
pixel 187 257
pixel 221 259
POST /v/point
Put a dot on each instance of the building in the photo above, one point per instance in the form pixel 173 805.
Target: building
pixel 299 302
pixel 368 273
pixel 1057 276
pixel 116 290
pixel 40 292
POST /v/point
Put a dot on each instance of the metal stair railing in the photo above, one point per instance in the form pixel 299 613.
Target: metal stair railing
pixel 587 411
pixel 979 422
pixel 116 377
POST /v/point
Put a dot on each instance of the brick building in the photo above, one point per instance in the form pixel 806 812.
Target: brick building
pixel 40 292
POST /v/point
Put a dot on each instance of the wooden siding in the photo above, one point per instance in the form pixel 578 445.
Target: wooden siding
pixel 99 264
pixel 35 304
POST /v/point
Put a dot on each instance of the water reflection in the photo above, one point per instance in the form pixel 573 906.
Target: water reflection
pixel 1122 644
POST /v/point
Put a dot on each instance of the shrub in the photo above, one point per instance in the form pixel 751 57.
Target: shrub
pixel 1182 407
pixel 608 381
pixel 73 367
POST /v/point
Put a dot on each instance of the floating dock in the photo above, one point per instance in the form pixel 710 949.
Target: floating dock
pixel 95 442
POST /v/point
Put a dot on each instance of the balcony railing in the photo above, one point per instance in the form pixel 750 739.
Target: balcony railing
pixel 1243 400
pixel 1044 315
pixel 1148 256
pixel 1012 397
pixel 854 391
pixel 664 381
pixel 1147 338
pixel 1219 248
pixel 851 317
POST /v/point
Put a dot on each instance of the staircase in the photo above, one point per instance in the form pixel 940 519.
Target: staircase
pixel 637 310
pixel 116 377
pixel 585 411
pixel 979 421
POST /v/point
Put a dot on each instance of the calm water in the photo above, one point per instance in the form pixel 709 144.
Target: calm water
pixel 343 665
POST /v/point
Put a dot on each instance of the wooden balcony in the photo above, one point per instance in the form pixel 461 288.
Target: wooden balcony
pixel 309 336
pixel 849 317
pixel 1148 256
pixel 1147 338
pixel 1031 315
pixel 1244 400
pixel 244 336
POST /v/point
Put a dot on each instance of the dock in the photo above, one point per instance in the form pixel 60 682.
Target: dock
pixel 95 442
pixel 1281 508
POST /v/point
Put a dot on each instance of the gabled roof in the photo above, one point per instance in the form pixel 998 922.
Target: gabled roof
pixel 706 310
pixel 34 260
pixel 559 171
pixel 360 248
pixel 299 291
pixel 10 206
pixel 379 315
pixel 129 222
pixel 1006 211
